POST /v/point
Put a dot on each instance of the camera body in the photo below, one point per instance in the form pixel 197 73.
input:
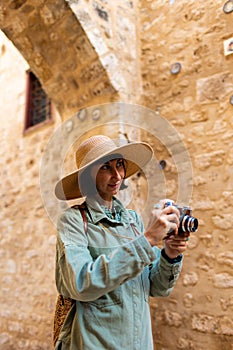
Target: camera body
pixel 188 223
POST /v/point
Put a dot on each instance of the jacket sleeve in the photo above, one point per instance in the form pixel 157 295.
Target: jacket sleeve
pixel 163 272
pixel 79 276
pixel 163 275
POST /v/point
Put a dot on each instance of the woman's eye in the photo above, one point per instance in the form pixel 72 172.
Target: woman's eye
pixel 120 163
pixel 104 167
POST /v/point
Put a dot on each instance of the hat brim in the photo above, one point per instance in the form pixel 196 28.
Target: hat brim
pixel 137 155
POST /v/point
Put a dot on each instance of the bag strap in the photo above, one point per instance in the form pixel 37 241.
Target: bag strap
pixel 82 208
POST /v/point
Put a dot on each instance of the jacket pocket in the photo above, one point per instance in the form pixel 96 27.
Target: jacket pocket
pixel 112 298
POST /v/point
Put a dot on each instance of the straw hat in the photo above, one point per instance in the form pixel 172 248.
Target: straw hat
pixel 137 155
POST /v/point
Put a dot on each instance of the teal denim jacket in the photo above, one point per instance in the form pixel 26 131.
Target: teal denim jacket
pixel 111 272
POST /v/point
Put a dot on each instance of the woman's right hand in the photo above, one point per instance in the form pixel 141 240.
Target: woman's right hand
pixel 163 220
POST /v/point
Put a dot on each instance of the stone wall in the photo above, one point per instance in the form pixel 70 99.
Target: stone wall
pixel 83 53
pixel 196 102
pixel 198 314
pixel 27 236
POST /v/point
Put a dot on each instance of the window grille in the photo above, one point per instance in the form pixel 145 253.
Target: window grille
pixel 38 105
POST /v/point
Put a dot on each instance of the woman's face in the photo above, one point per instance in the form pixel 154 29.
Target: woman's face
pixel 108 177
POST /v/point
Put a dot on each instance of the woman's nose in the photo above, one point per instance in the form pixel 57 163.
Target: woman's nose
pixel 116 173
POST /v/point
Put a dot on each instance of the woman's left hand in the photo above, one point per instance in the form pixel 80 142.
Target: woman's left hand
pixel 175 245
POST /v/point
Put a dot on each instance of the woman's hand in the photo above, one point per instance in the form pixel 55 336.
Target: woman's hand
pixel 175 245
pixel 162 222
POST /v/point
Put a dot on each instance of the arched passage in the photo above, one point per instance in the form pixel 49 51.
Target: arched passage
pixel 74 65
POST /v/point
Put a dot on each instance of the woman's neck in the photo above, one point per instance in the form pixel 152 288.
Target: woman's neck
pixel 106 203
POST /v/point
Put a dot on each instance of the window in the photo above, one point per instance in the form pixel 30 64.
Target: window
pixel 38 105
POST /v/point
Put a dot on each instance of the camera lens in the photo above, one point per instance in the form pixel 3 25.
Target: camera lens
pixel 188 224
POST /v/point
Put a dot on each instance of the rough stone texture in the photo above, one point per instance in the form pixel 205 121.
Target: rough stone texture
pixel 27 237
pixel 61 40
pixel 196 101
pixel 84 54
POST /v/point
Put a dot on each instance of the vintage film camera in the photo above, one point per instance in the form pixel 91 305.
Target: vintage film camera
pixel 188 223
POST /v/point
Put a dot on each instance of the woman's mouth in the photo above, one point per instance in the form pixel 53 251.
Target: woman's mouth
pixel 114 186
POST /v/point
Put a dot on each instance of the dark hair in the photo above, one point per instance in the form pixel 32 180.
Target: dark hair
pixel 87 185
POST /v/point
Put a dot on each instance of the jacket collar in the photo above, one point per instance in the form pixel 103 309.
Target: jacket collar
pixel 97 213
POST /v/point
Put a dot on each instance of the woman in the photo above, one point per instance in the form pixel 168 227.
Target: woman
pixel 112 268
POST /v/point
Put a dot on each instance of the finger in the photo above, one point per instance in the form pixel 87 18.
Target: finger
pixel 178 246
pixel 173 218
pixel 180 237
pixel 179 249
pixel 156 212
pixel 170 210
pixel 176 241
pixel 172 231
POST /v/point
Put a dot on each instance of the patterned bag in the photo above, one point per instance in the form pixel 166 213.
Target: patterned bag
pixel 64 305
